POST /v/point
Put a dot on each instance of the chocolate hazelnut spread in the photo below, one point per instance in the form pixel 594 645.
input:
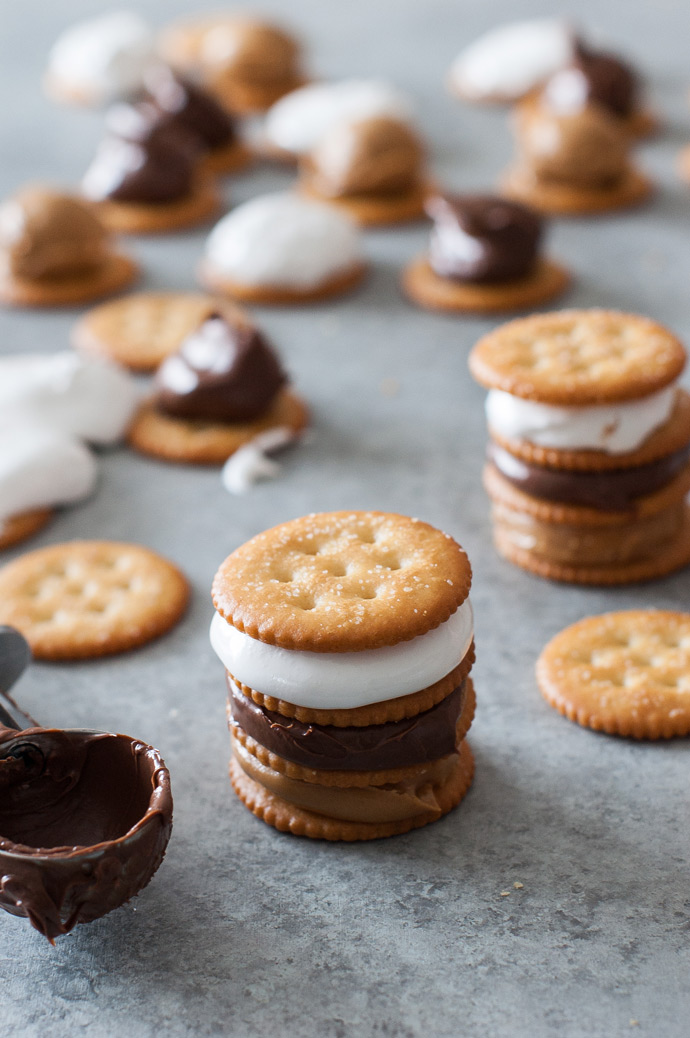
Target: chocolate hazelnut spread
pixel 221 373
pixel 85 818
pixel 594 78
pixel 144 123
pixel 583 149
pixel 396 744
pixel 188 107
pixel 150 171
pixel 45 234
pixel 482 238
pixel 610 491
pixel 377 156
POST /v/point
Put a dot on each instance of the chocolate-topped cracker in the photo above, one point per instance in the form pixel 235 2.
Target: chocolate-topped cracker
pixel 222 387
pixel 625 673
pixel 483 257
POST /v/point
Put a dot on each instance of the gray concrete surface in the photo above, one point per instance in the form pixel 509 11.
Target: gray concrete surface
pixel 246 932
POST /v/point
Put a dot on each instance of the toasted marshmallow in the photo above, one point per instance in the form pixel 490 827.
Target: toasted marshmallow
pixel 297 121
pixel 102 59
pixel 507 62
pixel 282 240
pixel 84 397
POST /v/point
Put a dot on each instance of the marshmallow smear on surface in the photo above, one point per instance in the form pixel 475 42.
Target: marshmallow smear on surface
pixel 283 240
pixel 344 680
pixel 104 58
pixel 40 468
pixel 512 59
pixel 615 427
pixel 84 397
pixel 297 121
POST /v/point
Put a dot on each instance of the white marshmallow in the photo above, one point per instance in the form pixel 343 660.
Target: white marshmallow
pixel 85 397
pixel 297 121
pixel 507 62
pixel 251 462
pixel 282 240
pixel 615 428
pixel 40 468
pixel 104 58
pixel 344 680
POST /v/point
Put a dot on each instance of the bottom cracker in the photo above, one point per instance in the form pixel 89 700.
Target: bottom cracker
pixel 209 443
pixel 426 288
pixel 116 273
pixel 19 527
pixel 278 295
pixel 667 560
pixel 376 210
pixel 141 218
pixel 564 200
pixel 287 818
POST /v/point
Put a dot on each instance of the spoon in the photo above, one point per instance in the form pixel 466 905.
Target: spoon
pixel 85 816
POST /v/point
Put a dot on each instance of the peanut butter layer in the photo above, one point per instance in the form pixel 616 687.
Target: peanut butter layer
pixel 288 817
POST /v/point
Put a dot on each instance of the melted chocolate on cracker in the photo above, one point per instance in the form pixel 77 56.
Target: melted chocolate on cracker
pixel 395 744
pixel 221 373
pixel 482 238
pixel 609 491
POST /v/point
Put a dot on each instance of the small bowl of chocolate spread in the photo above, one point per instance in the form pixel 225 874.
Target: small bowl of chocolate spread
pixel 85 816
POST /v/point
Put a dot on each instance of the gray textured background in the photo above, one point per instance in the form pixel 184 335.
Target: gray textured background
pixel 246 932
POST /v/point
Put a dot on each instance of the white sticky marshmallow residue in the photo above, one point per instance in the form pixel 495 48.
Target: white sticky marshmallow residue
pixel 297 121
pixel 104 58
pixel 40 468
pixel 281 240
pixel 87 397
pixel 510 60
pixel 615 428
pixel 344 680
pixel 251 463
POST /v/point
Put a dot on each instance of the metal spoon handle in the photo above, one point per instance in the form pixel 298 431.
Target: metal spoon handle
pixel 15 656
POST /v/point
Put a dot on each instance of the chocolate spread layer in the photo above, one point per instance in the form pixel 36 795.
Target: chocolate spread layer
pixel 85 818
pixel 397 744
pixel 610 491
pixel 221 373
pixel 482 238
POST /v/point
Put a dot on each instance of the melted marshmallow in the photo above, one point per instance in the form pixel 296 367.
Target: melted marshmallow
pixel 40 468
pixel 344 680
pixel 615 428
pixel 282 240
pixel 252 463
pixel 297 121
pixel 511 60
pixel 86 397
pixel 103 58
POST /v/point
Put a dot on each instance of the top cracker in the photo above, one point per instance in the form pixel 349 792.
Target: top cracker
pixel 578 357
pixel 343 582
